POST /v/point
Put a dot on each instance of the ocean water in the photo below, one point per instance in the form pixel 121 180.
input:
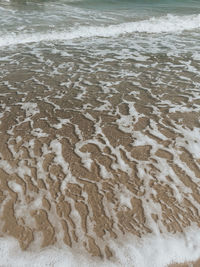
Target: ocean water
pixel 99 132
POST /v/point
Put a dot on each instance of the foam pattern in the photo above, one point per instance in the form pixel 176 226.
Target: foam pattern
pixel 95 163
pixel 99 136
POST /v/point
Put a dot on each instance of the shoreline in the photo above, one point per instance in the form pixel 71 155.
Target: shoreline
pixel 100 153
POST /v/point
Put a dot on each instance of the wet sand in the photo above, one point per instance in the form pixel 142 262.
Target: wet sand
pixel 189 264
pixel 81 167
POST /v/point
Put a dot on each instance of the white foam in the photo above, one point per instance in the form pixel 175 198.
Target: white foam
pixel 104 173
pixel 158 251
pixel 30 108
pixel 15 187
pixel 165 24
pixel 191 140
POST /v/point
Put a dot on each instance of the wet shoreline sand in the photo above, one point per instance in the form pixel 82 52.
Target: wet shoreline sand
pixel 189 264
pixel 89 159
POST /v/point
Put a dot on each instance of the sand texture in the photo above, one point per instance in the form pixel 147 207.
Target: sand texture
pixel 83 165
pixel 189 264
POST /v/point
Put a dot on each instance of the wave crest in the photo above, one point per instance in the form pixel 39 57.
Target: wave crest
pixel 165 24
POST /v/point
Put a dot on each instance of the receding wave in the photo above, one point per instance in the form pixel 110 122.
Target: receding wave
pixel 166 24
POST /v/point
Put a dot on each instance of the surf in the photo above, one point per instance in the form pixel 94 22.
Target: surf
pixel 154 25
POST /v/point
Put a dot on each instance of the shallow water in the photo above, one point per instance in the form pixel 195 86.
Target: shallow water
pixel 100 149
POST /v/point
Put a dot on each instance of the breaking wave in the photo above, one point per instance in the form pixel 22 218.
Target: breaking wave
pixel 165 24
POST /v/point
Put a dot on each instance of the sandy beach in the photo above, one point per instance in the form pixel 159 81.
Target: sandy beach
pixel 99 133
pixel 84 177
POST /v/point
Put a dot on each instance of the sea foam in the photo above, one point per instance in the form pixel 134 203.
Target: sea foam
pixel 165 24
pixel 157 251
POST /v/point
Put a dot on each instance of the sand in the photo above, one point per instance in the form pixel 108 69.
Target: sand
pixel 189 264
pixel 83 169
